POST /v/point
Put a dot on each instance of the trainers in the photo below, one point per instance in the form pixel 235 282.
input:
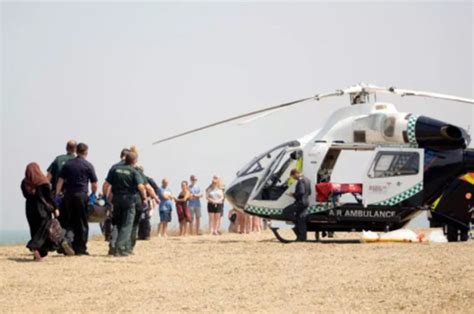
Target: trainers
pixel 67 249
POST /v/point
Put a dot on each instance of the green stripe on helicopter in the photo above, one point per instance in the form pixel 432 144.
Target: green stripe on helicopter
pixel 402 196
pixel 313 209
pixel 321 207
pixel 411 130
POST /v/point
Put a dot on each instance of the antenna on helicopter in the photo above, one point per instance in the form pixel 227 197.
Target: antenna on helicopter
pixel 358 94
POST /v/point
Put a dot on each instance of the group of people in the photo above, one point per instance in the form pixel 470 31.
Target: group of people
pixel 244 223
pixel 188 206
pixel 58 203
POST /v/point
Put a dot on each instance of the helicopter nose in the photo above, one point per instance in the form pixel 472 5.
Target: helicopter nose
pixel 238 193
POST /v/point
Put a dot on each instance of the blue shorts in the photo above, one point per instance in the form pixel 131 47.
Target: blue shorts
pixel 165 215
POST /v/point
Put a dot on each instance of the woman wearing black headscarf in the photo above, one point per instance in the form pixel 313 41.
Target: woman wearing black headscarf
pixel 39 209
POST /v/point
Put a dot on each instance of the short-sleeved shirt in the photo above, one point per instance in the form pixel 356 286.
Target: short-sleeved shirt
pixel 165 205
pixel 77 173
pixel 56 166
pixel 215 194
pixel 144 177
pixel 194 189
pixel 124 179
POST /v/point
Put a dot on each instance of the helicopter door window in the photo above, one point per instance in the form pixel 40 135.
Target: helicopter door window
pixel 391 164
pixel 276 182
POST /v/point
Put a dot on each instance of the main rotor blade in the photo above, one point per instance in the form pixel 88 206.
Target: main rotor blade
pixel 373 89
pixel 260 116
pixel 249 114
pixel 407 92
pixel 361 88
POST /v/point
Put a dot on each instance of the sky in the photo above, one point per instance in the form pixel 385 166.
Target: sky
pixel 119 74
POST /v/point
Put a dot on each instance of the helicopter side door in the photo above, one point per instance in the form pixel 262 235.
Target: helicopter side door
pixel 393 176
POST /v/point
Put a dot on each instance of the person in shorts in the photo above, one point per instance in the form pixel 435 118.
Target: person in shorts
pixel 166 206
pixel 215 205
pixel 195 205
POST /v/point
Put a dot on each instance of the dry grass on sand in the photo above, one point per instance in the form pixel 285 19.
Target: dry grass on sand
pixel 236 273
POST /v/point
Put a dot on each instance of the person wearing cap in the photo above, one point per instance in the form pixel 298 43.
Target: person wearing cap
pixel 75 176
pixel 126 184
pixel 59 161
pixel 195 205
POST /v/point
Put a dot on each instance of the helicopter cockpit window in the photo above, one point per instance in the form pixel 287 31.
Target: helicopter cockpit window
pixel 263 161
pixel 390 164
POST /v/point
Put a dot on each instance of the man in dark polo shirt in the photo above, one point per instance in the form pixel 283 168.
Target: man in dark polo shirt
pixel 125 182
pixel 59 161
pixel 301 195
pixel 75 177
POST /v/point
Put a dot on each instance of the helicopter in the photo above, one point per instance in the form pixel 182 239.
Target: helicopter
pixel 410 162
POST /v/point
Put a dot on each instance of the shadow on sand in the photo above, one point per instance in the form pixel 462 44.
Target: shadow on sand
pixel 28 259
pixel 332 241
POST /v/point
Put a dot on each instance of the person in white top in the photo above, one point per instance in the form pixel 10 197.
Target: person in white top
pixel 215 205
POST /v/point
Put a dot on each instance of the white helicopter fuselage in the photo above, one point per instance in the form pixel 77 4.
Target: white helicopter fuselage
pixel 403 163
pixel 373 127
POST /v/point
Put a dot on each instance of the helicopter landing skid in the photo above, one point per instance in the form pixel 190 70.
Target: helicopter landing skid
pixel 283 240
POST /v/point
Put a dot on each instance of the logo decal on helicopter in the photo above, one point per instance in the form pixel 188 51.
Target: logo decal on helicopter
pixel 382 189
pixel 361 213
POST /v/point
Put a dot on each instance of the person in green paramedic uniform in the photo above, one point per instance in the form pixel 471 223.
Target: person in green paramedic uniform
pixel 59 161
pixel 126 183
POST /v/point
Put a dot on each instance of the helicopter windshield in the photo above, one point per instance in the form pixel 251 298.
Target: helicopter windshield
pixel 262 161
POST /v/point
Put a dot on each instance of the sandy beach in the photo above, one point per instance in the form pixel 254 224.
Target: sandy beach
pixel 243 273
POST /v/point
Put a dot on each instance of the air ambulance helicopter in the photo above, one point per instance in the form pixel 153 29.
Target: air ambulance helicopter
pixel 411 162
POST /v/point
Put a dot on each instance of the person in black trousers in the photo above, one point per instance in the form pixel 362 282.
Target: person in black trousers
pixel 39 210
pixel 75 176
pixel 301 195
